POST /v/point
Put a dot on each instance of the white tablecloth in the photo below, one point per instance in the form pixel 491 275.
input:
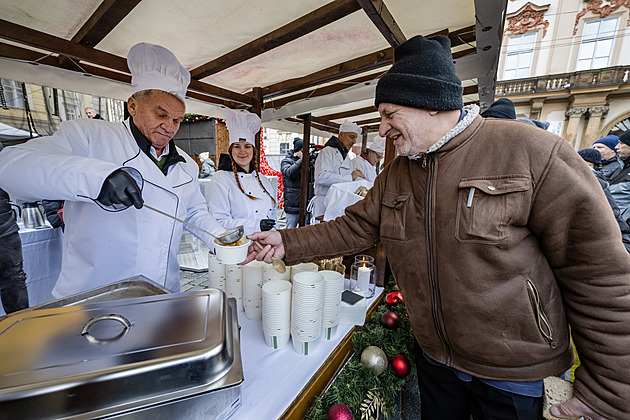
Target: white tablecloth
pixel 41 250
pixel 342 195
pixel 274 378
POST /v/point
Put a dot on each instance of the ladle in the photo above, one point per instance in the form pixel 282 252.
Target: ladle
pixel 226 238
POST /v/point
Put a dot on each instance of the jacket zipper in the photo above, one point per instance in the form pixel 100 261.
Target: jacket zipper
pixel 436 297
pixel 541 319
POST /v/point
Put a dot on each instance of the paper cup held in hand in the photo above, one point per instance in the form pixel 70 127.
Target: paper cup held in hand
pixel 233 253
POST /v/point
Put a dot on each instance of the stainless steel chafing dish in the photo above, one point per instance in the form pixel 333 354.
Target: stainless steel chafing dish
pixel 159 356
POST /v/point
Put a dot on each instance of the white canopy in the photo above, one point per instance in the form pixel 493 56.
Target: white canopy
pixel 313 57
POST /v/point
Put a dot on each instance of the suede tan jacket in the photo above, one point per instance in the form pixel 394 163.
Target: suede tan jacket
pixel 497 240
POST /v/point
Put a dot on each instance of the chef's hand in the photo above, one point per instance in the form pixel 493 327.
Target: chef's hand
pixel 357 173
pixel 267 224
pixel 272 246
pixel 574 408
pixel 120 188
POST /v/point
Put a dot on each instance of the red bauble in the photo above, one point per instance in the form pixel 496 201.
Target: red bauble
pixel 339 412
pixel 401 366
pixel 390 320
pixel 393 297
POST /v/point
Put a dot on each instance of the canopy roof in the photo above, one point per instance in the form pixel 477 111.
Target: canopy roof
pixel 283 57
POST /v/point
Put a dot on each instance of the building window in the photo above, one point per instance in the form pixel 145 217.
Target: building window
pixel 13 94
pixel 597 43
pixel 519 57
pixel 284 148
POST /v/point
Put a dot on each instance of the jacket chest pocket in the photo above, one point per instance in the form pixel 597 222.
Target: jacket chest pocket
pixel 487 206
pixel 394 208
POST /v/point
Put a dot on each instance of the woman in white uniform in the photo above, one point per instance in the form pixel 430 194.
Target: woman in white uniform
pixel 238 194
pixel 366 161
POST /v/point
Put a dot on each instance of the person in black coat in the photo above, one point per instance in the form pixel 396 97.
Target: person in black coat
pixel 291 168
pixel 12 277
pixel 594 159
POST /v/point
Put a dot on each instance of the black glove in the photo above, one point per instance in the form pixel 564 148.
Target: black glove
pixel 267 224
pixel 120 188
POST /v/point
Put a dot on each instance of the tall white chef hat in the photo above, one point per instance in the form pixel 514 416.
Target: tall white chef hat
pixel 242 126
pixel 377 145
pixel 155 67
pixel 350 127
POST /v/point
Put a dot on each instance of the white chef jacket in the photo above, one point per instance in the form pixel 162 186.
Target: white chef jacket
pixel 232 208
pixel 102 245
pixel 330 168
pixel 364 166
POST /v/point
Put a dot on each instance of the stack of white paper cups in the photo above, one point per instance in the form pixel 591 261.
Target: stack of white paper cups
pixel 234 284
pixel 216 272
pixel 271 273
pixel 252 289
pixel 276 313
pixel 306 310
pixel 331 306
pixel 298 268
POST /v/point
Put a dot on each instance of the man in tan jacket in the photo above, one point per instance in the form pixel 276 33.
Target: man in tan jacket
pixel 493 230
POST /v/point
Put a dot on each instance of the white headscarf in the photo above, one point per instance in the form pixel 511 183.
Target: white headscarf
pixel 376 145
pixel 350 127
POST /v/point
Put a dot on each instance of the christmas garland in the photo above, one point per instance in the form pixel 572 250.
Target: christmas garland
pixel 365 388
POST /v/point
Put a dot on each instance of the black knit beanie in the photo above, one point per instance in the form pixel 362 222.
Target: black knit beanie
pixel 501 108
pixel 423 76
pixel 591 155
pixel 625 138
pixel 297 144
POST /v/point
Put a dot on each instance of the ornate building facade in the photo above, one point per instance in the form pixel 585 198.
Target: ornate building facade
pixel 568 62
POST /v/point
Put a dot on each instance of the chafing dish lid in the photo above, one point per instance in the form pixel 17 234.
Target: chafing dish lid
pixel 108 341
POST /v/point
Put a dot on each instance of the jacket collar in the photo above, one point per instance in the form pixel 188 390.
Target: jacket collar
pixel 335 143
pixel 468 116
pixel 144 144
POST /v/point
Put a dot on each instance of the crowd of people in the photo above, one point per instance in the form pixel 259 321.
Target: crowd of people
pixel 499 235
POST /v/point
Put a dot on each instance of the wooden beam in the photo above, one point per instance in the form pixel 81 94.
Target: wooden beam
pixel 349 114
pixel 369 121
pixel 104 19
pixel 318 18
pixel 257 109
pixel 41 40
pixel 327 90
pixel 11 51
pixel 383 20
pixel 358 65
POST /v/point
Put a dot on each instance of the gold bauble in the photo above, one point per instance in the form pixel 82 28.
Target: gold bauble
pixel 375 359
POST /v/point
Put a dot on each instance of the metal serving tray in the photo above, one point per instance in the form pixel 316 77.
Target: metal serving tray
pixel 132 287
pixel 120 358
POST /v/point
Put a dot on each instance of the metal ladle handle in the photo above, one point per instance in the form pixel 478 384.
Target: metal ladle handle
pixel 179 220
pixel 111 317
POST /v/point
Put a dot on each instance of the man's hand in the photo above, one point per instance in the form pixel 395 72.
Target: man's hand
pixel 574 408
pixel 272 247
pixel 357 173
pixel 120 188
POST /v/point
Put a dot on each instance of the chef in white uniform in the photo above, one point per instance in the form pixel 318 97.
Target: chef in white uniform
pixel 102 168
pixel 366 161
pixel 333 165
pixel 238 193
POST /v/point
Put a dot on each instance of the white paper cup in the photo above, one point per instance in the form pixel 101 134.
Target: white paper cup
pixel 231 254
pixel 329 333
pixel 255 314
pixel 304 347
pixel 276 341
pixel 298 268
